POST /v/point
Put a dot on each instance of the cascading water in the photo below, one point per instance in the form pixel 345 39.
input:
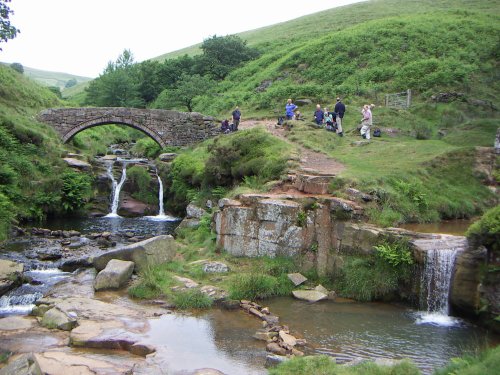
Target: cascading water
pixel 437 276
pixel 161 212
pixel 115 194
pixel 160 196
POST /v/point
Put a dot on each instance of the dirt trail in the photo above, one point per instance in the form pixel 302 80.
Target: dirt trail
pixel 310 161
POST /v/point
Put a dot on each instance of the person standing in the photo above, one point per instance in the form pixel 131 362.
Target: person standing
pixel 366 121
pixel 236 117
pixel 290 109
pixel 339 110
pixel 319 115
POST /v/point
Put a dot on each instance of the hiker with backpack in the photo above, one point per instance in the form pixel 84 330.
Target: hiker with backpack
pixel 236 118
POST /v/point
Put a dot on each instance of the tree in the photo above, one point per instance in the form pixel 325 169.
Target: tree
pixel 117 85
pixel 70 83
pixel 17 67
pixel 188 87
pixel 221 54
pixel 7 31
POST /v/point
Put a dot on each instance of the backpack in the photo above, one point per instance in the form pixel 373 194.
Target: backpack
pixel 377 132
pixel 280 120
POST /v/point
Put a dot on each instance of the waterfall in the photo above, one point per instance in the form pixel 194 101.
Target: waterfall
pixel 161 211
pixel 115 194
pixel 435 284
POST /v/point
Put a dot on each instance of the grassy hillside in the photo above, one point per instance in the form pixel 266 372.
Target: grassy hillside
pixel 425 171
pixel 56 79
pixel 34 181
pixel 309 27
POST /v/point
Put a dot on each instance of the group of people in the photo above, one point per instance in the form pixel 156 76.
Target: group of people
pixel 227 127
pixel 322 117
pixel 331 120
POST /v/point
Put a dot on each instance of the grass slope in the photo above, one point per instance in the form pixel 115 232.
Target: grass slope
pixel 34 181
pixel 47 78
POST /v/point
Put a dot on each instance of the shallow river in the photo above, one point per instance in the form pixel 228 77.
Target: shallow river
pixel 223 339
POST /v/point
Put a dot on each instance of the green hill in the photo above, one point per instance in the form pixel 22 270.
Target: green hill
pixel 34 181
pixel 56 79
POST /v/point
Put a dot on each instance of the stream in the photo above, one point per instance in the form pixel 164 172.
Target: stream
pixel 223 339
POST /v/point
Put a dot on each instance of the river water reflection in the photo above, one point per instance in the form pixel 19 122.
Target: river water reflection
pixel 371 330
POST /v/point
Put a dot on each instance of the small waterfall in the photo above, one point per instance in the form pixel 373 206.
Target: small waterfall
pixel 440 256
pixel 161 211
pixel 115 194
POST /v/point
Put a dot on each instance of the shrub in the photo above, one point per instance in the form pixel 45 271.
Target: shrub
pixel 155 281
pixel 140 185
pixel 76 190
pixel 6 216
pixel 486 231
pixel 324 365
pixel 146 147
pixel 395 252
pixel 367 279
pixel 486 363
pixel 257 286
pixel 192 299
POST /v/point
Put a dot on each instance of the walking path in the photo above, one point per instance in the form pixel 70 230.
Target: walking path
pixel 311 162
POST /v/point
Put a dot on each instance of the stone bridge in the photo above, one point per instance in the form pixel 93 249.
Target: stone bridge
pixel 167 128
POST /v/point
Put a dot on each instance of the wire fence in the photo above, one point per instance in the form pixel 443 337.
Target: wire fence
pixel 399 100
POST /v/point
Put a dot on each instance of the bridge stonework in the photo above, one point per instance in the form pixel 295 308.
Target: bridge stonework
pixel 167 128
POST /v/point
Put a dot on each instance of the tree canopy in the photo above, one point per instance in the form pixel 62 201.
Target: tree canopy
pixel 7 30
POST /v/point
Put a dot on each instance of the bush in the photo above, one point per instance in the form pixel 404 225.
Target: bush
pixel 192 299
pixel 6 216
pixel 368 279
pixel 253 286
pixel 155 281
pixel 141 185
pixel 324 365
pixel 76 190
pixel 486 363
pixel 486 231
pixel 395 252
pixel 146 147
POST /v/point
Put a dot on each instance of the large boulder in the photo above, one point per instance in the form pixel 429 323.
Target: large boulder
pixel 194 212
pixel 115 275
pixel 56 318
pixel 10 275
pixel 309 295
pixel 78 164
pixel 153 251
pixel 24 365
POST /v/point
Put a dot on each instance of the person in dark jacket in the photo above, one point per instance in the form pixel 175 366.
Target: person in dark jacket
pixel 339 110
pixel 236 117
pixel 319 115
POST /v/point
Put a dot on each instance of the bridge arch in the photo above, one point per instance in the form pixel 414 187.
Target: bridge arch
pixel 167 128
pixel 109 121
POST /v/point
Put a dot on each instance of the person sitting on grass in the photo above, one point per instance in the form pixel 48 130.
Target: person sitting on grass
pixel 224 127
pixel 329 121
pixel 290 109
pixel 319 115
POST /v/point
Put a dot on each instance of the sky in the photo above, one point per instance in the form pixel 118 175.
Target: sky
pixel 80 36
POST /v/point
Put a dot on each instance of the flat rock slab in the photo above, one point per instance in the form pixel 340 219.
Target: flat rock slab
pixel 309 295
pixel 59 362
pixel 115 275
pixel 75 163
pixel 15 323
pixel 188 283
pixel 115 335
pixel 215 267
pixel 81 308
pixel 297 278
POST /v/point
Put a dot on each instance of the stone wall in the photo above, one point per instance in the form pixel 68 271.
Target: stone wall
pixel 167 128
pixel 322 230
